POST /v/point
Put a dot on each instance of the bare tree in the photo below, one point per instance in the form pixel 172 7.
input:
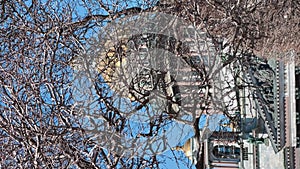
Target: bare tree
pixel 40 126
pixel 41 122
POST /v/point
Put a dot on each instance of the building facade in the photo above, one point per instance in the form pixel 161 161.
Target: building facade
pixel 267 135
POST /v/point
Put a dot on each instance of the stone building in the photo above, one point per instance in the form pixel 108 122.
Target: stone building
pixel 268 132
pixel 262 105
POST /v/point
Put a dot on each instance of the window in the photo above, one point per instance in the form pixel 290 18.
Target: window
pixel 226 152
